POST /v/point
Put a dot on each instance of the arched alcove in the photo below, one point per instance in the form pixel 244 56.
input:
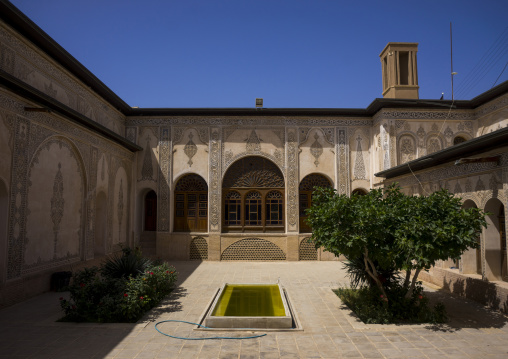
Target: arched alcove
pixel 359 191
pixel 305 190
pixel 150 212
pixel 459 139
pixel 253 196
pixel 495 240
pixel 101 224
pixel 191 204
pixel 471 260
pixel 4 215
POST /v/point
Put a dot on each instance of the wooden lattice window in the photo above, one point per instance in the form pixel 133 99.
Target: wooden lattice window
pixel 253 209
pixel 306 188
pixel 274 210
pixel 253 201
pixel 191 204
pixel 232 209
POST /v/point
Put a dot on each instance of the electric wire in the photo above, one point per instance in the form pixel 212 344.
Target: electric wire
pixel 480 63
pixel 492 56
pixel 202 326
pixel 504 68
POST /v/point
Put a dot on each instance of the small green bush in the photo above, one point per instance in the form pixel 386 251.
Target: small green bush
pixel 99 295
pixel 130 263
pixel 370 305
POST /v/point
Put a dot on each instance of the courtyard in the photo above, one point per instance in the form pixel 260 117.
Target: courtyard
pixel 29 329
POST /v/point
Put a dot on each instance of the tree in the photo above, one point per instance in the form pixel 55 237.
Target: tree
pixel 389 229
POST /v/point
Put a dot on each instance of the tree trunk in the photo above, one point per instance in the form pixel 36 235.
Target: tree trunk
pixel 373 273
pixel 413 283
pixel 408 277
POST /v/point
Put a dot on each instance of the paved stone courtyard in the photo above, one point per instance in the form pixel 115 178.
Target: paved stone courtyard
pixel 29 330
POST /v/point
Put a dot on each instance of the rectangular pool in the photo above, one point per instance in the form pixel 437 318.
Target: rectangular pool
pixel 249 306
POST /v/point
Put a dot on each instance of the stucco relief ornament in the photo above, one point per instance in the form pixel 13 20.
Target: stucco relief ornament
pixel 316 149
pixel 147 169
pixel 448 132
pixel 359 164
pixel 190 149
pixel 407 150
pixel 421 132
pixel 103 168
pixel 434 145
pixel 57 204
pixel 253 142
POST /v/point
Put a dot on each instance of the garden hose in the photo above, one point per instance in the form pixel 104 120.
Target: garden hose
pixel 202 326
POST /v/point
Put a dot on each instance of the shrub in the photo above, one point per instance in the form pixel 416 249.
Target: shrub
pixel 104 296
pixel 358 276
pixel 129 263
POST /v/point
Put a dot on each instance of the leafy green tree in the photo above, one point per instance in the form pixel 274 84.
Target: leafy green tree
pixel 389 229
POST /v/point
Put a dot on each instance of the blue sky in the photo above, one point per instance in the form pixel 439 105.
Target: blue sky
pixel 318 53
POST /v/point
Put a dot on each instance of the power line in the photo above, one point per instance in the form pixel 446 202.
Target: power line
pixel 504 68
pixel 490 58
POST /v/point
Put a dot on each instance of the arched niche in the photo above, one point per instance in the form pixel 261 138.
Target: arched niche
pixel 150 212
pixel 406 148
pixel 360 191
pixel 55 205
pixel 495 240
pixel 305 190
pixel 191 204
pixel 471 260
pixel 253 196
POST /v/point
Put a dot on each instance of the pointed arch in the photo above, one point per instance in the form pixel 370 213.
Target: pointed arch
pixel 191 204
pixel 494 239
pixel 305 190
pixel 406 148
pixel 253 196
pixel 56 198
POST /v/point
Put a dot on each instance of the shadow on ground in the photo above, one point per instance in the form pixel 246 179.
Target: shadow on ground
pixel 465 313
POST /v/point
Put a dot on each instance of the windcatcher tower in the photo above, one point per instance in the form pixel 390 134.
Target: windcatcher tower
pixel 400 75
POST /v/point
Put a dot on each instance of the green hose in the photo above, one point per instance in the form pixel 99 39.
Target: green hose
pixel 202 326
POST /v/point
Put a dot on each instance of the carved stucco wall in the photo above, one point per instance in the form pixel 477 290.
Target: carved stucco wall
pixel 359 145
pixel 21 59
pixel 477 182
pixel 317 152
pixel 492 116
pixel 55 205
pixel 247 141
pixel 54 172
pixel 190 152
pixel 6 144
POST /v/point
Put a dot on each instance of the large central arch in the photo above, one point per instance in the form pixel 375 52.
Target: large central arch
pixel 253 196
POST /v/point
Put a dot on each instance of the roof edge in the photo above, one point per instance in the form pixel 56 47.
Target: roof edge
pixel 32 94
pixel 26 27
pixel 474 146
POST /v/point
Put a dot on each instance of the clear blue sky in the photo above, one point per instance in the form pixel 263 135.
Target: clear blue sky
pixel 294 53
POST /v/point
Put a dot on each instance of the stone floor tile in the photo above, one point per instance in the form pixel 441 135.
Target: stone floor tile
pixel 269 355
pixel 391 353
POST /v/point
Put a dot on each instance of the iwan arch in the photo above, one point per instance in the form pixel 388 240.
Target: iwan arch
pixel 81 171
